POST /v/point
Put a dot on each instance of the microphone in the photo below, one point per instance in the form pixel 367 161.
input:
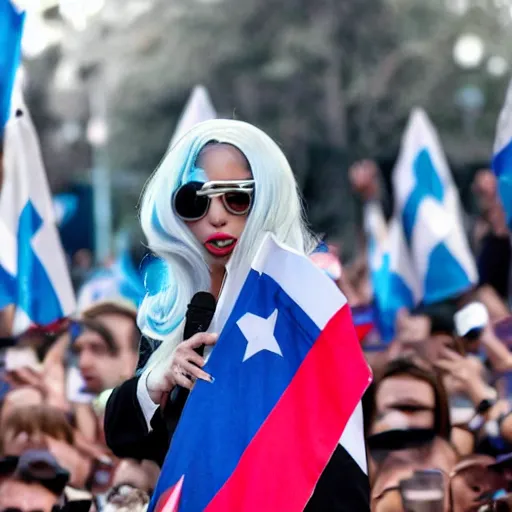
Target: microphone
pixel 198 318
pixel 199 315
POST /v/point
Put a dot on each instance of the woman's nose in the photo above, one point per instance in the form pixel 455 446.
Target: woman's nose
pixel 217 214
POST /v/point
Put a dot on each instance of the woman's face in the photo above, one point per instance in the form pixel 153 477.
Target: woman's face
pixel 219 230
pixel 404 402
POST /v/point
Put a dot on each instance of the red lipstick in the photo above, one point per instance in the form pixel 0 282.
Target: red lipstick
pixel 220 244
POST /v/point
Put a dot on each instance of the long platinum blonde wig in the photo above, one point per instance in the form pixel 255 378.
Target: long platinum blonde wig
pixel 276 208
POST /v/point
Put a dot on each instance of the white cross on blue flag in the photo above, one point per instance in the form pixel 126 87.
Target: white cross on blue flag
pixel 394 281
pixel 33 271
pixel 428 206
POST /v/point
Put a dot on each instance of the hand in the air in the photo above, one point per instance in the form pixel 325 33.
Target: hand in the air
pixel 363 177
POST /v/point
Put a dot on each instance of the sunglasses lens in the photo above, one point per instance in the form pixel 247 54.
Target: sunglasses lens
pixel 237 202
pixel 187 204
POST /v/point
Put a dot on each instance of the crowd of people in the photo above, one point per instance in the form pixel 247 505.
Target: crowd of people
pixel 438 416
pixel 51 428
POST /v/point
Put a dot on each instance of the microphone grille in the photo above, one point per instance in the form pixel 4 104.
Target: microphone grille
pixel 203 300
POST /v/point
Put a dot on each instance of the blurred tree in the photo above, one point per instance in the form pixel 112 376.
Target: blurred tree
pixel 331 80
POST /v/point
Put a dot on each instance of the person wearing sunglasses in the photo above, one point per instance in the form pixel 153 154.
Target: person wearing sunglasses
pixel 211 201
pixel 36 483
pixel 408 395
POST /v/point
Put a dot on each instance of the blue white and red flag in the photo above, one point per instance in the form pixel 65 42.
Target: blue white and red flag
pixel 289 377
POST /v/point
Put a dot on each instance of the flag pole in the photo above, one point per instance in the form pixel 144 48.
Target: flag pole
pixel 97 135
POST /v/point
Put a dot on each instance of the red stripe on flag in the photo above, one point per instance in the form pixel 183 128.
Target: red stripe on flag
pixel 282 464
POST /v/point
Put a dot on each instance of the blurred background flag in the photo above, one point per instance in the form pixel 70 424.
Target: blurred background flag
pixel 502 160
pixel 325 258
pixel 124 278
pixel 33 271
pixel 198 108
pixel 65 206
pixel 11 29
pixel 394 281
pixel 427 203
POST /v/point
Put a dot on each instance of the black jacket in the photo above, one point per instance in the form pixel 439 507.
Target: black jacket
pixel 343 487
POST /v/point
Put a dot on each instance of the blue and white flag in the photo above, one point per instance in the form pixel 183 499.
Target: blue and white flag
pixel 394 280
pixel 428 206
pixel 502 160
pixel 11 29
pixel 122 281
pixel 33 272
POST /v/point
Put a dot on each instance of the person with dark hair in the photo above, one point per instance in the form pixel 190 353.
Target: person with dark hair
pixel 28 426
pixel 432 455
pixel 106 344
pixel 410 396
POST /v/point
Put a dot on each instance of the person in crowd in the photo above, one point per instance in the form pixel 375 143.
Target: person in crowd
pixel 409 453
pixel 210 202
pixel 106 345
pixel 407 396
pixel 43 427
pixel 37 482
pixel 28 396
pixel 473 483
pixel 423 332
pixel 495 251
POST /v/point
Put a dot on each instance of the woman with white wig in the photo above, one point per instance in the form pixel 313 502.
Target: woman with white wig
pixel 204 212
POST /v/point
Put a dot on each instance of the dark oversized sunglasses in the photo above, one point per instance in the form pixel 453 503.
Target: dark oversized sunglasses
pixel 192 200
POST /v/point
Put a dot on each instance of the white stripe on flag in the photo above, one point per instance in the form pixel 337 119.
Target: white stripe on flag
pixel 199 108
pixel 298 276
pixel 8 253
pixel 400 261
pixel 352 438
pixel 25 180
pixel 46 244
pixel 436 220
pixel 377 231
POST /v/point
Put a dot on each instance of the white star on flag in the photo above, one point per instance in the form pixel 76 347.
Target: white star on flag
pixel 259 333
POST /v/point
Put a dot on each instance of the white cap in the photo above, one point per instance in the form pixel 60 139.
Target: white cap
pixel 472 316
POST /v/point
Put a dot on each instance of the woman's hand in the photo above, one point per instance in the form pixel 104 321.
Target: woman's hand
pixel 182 370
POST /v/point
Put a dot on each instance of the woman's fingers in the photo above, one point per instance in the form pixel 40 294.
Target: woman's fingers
pixel 187 355
pixel 196 372
pixel 193 357
pixel 183 381
pixel 201 338
pixel 185 363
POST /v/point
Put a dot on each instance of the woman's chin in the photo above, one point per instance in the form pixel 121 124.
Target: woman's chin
pixel 217 261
